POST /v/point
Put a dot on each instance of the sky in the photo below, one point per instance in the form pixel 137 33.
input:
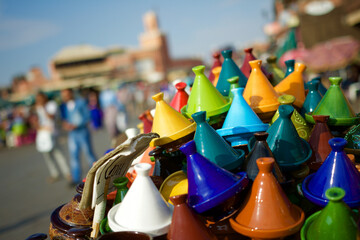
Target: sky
pixel 32 32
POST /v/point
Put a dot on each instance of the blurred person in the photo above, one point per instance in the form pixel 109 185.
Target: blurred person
pixel 95 111
pixel 46 138
pixel 109 105
pixel 76 116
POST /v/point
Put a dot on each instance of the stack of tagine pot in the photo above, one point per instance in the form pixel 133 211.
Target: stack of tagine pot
pixel 241 156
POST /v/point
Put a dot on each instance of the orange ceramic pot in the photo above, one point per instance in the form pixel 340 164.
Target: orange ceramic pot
pixel 267 213
pixel 260 94
pixel 294 85
pixel 216 71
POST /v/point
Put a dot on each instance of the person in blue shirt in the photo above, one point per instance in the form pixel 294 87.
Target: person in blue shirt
pixel 76 117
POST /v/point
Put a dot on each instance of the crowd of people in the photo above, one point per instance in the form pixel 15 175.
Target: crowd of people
pixel 74 115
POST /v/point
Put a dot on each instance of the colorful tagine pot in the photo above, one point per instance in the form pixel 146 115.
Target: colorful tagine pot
pixel 289 149
pixel 294 85
pixel 353 140
pixel 301 126
pixel 147 120
pixel 312 98
pixel 241 122
pixel 319 141
pixel 69 221
pixel 213 147
pixel 335 221
pixel 246 68
pixel 211 187
pixel 185 224
pixel 205 97
pixel 169 124
pixel 290 64
pixel 277 74
pixel 335 104
pixel 216 71
pixel 336 171
pixel 321 88
pixel 150 214
pixel 234 83
pixel 267 213
pixel 229 69
pixel 260 149
pixel 216 63
pixel 181 97
pixel 263 100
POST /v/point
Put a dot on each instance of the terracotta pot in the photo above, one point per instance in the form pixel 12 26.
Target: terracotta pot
pixel 69 221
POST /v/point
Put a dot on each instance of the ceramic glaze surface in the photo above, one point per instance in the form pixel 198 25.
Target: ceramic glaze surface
pixel 290 64
pixel 336 171
pixel 293 84
pixel 277 74
pixel 335 221
pixel 185 224
pixel 319 141
pixel 209 185
pixel 213 147
pixel 353 138
pixel 301 126
pixel 234 83
pixel 267 213
pixel 229 69
pixel 143 209
pixel 205 97
pixel 262 100
pixel 335 104
pixel 288 148
pixel 241 121
pixel 169 123
pixel 181 97
pixel 313 97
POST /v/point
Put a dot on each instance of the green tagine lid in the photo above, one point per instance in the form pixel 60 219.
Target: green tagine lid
pixel 205 97
pixel 334 104
pixel 336 221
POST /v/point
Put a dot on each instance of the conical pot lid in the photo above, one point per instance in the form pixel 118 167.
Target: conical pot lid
pixel 301 126
pixel 319 141
pixel 246 68
pixel 288 148
pixel 335 104
pixel 261 149
pixel 234 83
pixel 290 64
pixel 263 100
pixel 336 171
pixel 335 221
pixel 267 212
pixel 168 123
pixel 277 74
pixel 143 208
pixel 241 121
pixel 312 98
pixel 294 85
pixel 216 71
pixel 186 225
pixel 181 97
pixel 205 97
pixel 209 185
pixel 213 147
pixel 229 69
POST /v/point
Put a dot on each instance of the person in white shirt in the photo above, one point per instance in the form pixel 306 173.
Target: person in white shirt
pixel 46 138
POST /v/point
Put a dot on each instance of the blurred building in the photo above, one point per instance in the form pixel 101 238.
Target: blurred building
pixel 89 65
